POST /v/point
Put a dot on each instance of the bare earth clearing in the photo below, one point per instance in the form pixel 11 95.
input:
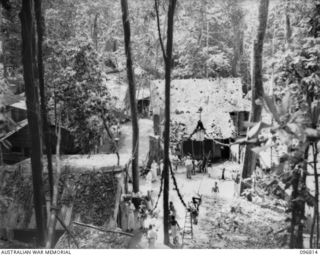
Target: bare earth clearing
pixel 249 226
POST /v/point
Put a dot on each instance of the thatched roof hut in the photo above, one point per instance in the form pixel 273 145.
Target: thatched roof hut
pixel 218 98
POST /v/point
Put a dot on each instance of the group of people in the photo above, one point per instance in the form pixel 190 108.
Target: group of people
pixel 235 176
pixel 143 212
pixel 192 166
pixel 141 206
pixel 174 228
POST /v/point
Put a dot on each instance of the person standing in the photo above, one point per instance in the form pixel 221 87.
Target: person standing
pixel 130 210
pixel 195 166
pixel 204 165
pixel 223 171
pixel 172 209
pixel 149 202
pixel 194 210
pixel 152 237
pixel 189 166
pixel 154 167
pixel 160 169
pixel 174 230
pixel 236 183
pixel 253 179
pixel 173 212
pixel 149 181
pixel 142 215
pixel 215 191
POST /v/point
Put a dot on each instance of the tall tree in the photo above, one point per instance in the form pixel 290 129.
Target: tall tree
pixel 256 84
pixel 168 67
pixel 236 19
pixel 132 96
pixel 11 40
pixel 45 126
pixel 54 202
pixel 288 26
pixel 33 114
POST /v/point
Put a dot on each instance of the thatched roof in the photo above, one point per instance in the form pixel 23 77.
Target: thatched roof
pixel 118 91
pixel 216 97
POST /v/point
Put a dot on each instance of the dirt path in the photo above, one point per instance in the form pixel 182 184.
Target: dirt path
pixel 145 129
pixel 136 240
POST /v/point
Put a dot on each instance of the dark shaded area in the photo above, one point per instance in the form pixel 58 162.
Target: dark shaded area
pixel 20 145
pixel 208 148
pixel 29 236
pixel 6 4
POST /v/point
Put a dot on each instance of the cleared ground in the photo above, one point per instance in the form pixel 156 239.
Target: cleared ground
pixel 230 222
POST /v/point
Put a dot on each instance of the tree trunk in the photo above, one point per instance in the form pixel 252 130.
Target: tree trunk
pixel 95 31
pixel 256 85
pixel 315 221
pixel 234 60
pixel 301 206
pixel 294 213
pixel 132 95
pixel 54 208
pixel 45 128
pixel 11 40
pixel 288 26
pixel 1 155
pixel 298 207
pixel 33 115
pixel 236 19
pixel 168 60
pixel 155 153
pixel 207 45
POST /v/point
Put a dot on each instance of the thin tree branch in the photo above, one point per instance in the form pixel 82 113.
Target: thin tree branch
pixel 156 6
pixel 67 230
pixel 102 229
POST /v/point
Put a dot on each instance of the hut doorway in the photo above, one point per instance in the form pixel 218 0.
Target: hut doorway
pixel 225 150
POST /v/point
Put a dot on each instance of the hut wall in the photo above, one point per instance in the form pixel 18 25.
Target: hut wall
pixel 17 114
pixel 198 149
pixel 20 145
pixel 216 151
